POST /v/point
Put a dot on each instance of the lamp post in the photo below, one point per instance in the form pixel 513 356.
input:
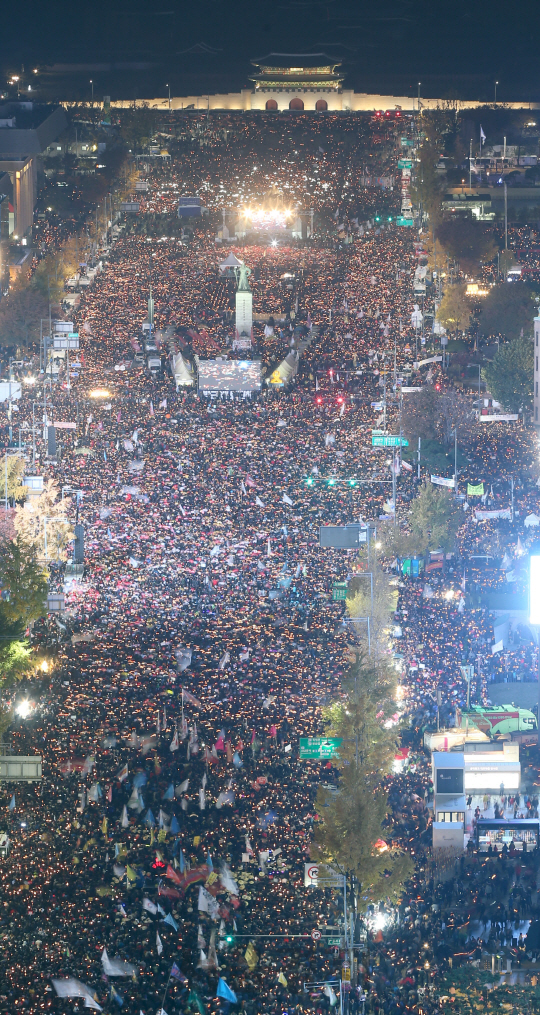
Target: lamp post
pixel 92 83
pixel 496 83
pixel 169 87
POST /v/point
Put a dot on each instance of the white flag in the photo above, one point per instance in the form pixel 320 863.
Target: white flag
pixel 287 500
pixel 259 502
pixel 159 945
pixel 149 906
pixel 174 742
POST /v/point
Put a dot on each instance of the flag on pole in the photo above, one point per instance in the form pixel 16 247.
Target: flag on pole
pixel 482 136
pixel 159 944
pixel 224 991
pixel 177 974
pixel 122 774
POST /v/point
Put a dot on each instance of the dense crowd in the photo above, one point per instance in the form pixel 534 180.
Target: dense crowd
pixel 174 818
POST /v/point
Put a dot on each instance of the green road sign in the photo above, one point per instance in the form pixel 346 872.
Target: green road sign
pixel 335 941
pixel 400 221
pixel 339 591
pixel 380 441
pixel 407 142
pixel 404 163
pixel 319 747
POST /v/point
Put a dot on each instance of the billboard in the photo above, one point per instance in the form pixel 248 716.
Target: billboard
pixel 189 207
pixel 534 590
pixel 450 780
pixel 229 375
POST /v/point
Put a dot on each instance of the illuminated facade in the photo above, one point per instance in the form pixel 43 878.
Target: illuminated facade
pixel 296 81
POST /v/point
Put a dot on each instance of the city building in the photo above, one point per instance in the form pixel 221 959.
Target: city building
pixel 26 131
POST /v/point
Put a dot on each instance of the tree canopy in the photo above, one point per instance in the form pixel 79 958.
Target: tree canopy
pixel 454 311
pixel 468 242
pixel 435 517
pixel 508 309
pixel 510 377
pixel 354 820
pixel 24 587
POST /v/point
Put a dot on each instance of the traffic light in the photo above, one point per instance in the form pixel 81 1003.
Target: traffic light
pixel 229 938
pixel 352 482
pixel 331 482
pixel 309 481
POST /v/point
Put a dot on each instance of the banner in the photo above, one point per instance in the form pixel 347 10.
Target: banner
pixel 475 491
pixel 484 516
pixel 442 481
pixel 507 417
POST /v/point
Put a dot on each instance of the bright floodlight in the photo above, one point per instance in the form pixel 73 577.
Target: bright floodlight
pixel 534 590
pixel 23 709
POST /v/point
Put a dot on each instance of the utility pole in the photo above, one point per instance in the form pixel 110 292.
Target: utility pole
pixel 169 87
pixel 419 445
pixel 496 83
pixel 470 164
pixel 505 215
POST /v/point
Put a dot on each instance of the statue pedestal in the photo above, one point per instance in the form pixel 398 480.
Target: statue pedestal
pixel 244 313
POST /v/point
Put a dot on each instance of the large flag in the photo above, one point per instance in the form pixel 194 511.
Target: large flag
pixel 116 966
pixel 149 906
pixel 74 988
pixel 175 743
pixel 122 774
pixel 224 991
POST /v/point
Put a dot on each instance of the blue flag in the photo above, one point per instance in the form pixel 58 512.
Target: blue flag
pixel 169 793
pixel 171 921
pixel 182 862
pixel 175 827
pixel 150 819
pixel 224 991
pixel 140 779
pixel 12 803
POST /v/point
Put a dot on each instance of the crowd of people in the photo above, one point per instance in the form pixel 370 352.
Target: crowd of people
pixel 173 822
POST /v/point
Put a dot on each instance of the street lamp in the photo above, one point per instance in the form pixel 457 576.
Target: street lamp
pixel 169 87
pixel 496 83
pixel 92 83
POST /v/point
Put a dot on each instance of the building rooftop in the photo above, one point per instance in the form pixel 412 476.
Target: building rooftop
pixel 296 61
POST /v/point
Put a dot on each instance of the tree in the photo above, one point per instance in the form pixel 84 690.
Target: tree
pixel 137 126
pixel 466 241
pixel 428 188
pixel 20 315
pixel 510 377
pixel 508 309
pixel 454 311
pixel 435 517
pixel 24 588
pixel 359 602
pixel 13 467
pixel 42 523
pixel 350 833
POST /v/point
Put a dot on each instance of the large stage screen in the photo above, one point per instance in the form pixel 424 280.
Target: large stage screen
pixel 229 375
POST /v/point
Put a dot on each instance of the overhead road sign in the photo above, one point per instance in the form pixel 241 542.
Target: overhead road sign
pixel 339 591
pixel 388 441
pixel 342 537
pixel 15 768
pixel 401 221
pixel 319 747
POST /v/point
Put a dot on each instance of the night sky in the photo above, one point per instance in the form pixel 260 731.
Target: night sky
pixel 454 49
